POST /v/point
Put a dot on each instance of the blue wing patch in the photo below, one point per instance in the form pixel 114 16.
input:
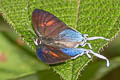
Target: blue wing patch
pixel 71 35
pixel 39 53
pixel 72 51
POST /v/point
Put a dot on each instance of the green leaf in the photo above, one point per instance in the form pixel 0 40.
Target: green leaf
pixel 98 70
pixel 16 60
pixel 41 75
pixel 92 17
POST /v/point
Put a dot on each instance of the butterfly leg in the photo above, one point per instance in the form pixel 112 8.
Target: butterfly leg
pixel 100 56
pixel 85 42
pixel 86 51
pixel 89 45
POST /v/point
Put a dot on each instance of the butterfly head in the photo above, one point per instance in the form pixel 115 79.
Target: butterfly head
pixel 37 41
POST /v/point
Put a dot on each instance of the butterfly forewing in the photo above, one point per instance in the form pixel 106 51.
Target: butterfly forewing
pixel 46 24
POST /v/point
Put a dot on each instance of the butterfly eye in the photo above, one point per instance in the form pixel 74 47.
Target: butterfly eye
pixel 38 41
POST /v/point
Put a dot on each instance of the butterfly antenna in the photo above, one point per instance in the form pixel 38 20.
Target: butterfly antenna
pixel 29 28
pixel 94 38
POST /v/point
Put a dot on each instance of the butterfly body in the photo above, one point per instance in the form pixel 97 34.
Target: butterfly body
pixel 56 41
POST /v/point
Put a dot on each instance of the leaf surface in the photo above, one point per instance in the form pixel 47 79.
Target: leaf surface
pixel 92 17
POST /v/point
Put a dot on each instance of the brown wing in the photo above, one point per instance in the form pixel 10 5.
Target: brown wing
pixel 45 24
pixel 51 55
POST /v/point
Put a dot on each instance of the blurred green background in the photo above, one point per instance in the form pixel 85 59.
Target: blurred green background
pixel 14 64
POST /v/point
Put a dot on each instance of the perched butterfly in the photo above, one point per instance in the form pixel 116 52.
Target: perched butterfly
pixel 57 42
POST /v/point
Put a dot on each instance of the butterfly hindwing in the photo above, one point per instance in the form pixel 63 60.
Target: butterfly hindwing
pixel 51 55
pixel 46 24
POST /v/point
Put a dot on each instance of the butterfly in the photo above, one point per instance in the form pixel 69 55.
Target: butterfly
pixel 57 42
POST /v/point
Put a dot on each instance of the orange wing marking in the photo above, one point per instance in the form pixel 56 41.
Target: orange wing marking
pixel 50 23
pixel 52 53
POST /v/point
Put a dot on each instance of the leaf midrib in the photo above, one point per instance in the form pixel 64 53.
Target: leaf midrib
pixel 76 25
